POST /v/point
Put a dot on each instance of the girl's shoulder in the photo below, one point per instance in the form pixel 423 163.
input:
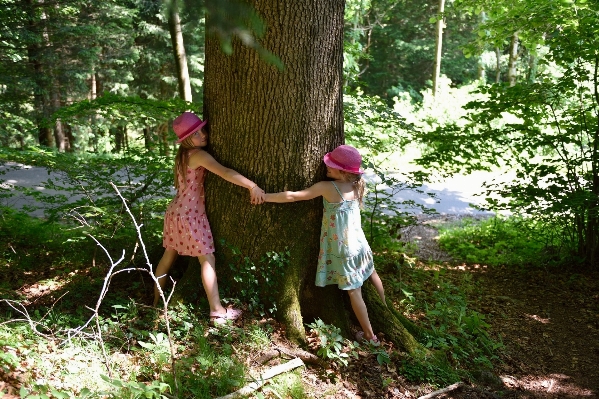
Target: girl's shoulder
pixel 197 157
pixel 346 189
pixel 344 185
pixel 330 191
pixel 194 150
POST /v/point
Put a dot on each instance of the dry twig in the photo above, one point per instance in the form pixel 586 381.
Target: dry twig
pixel 442 391
pixel 261 380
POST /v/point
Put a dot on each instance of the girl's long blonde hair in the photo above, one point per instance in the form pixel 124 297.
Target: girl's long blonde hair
pixel 357 181
pixel 181 160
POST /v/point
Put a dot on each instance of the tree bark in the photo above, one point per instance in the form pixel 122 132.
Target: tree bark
pixel 174 25
pixel 275 127
pixel 438 46
pixel 512 72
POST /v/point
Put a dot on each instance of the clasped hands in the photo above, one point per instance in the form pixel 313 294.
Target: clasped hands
pixel 257 195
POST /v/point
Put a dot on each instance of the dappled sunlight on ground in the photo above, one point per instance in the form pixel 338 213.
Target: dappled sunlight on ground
pixel 547 318
pixel 547 386
pixel 538 318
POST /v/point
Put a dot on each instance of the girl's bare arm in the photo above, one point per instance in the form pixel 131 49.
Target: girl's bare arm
pixel 202 158
pixel 317 190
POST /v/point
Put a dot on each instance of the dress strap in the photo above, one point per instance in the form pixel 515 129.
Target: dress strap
pixel 336 188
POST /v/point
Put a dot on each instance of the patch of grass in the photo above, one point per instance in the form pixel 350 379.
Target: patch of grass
pixel 209 361
pixel 510 241
pixel 457 336
pixel 287 385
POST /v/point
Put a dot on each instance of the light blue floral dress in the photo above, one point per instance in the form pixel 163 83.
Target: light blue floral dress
pixel 345 257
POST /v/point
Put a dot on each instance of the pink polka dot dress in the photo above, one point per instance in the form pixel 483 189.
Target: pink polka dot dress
pixel 186 228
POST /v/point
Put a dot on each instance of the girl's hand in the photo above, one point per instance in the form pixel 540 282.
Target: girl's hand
pixel 257 195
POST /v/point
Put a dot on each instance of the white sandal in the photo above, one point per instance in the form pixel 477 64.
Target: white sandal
pixel 230 314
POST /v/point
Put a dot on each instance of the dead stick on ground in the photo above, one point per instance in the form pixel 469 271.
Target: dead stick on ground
pixel 442 391
pixel 274 371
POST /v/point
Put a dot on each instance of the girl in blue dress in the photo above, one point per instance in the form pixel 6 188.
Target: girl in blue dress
pixel 345 257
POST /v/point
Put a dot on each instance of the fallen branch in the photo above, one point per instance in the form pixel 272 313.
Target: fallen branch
pixel 306 356
pixel 266 357
pixel 442 391
pixel 271 372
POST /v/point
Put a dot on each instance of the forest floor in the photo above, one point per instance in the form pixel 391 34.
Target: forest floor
pixel 548 320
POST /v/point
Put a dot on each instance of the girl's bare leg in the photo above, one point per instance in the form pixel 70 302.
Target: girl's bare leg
pixel 208 263
pixel 167 260
pixel 378 285
pixel 359 307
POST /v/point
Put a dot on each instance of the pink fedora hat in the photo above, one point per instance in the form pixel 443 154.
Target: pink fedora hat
pixel 186 124
pixel 345 158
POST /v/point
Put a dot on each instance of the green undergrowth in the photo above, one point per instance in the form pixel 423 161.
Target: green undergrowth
pixel 210 361
pixel 127 353
pixel 53 284
pixel 510 241
pixel 457 340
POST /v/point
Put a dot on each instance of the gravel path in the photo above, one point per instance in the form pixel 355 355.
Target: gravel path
pixel 455 195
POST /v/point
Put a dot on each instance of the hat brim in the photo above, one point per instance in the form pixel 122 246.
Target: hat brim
pixel 201 125
pixel 328 161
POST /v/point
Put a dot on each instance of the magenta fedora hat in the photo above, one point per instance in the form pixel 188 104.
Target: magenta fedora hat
pixel 345 158
pixel 186 124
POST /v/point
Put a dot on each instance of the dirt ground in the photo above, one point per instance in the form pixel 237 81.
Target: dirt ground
pixel 547 319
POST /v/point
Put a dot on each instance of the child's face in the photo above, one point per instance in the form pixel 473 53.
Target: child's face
pixel 200 138
pixel 333 173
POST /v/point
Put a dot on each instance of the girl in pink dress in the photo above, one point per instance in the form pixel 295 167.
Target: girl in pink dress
pixel 186 228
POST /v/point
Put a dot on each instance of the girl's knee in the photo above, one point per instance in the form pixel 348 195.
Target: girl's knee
pixel 207 257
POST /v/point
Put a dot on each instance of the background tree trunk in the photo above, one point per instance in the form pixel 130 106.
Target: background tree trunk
pixel 497 65
pixel 275 127
pixel 174 25
pixel 35 53
pixel 438 46
pixel 59 134
pixel 512 71
pixel 533 66
pixel 481 73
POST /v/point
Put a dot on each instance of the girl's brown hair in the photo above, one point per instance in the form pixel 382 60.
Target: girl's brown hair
pixel 181 160
pixel 357 181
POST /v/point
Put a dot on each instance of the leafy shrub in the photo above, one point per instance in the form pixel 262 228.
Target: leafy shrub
pixel 83 191
pixel 331 345
pixel 254 284
pixel 384 216
pixel 499 240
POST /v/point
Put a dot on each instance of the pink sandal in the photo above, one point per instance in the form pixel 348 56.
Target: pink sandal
pixel 220 318
pixel 360 338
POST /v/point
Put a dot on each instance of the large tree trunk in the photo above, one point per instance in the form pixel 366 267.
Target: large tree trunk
pixel 275 128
